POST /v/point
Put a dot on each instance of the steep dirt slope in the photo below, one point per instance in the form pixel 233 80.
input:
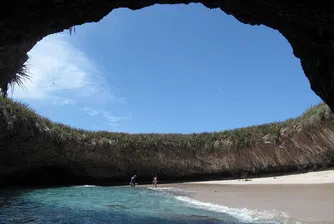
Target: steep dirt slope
pixel 35 150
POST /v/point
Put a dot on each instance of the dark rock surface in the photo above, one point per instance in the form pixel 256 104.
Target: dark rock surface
pixel 34 151
pixel 307 25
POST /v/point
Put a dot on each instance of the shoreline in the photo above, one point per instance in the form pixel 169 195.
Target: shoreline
pixel 307 197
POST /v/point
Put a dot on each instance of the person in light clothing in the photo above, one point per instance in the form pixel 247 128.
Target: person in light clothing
pixel 155 181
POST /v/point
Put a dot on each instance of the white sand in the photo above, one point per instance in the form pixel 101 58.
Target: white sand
pixel 307 197
pixel 319 177
pixel 308 203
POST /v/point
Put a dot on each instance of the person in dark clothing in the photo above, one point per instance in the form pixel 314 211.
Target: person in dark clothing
pixel 133 181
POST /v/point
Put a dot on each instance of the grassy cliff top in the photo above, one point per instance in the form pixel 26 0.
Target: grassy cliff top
pixel 242 137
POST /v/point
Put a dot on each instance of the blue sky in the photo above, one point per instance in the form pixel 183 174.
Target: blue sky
pixel 181 68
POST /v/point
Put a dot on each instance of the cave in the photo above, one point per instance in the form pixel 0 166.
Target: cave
pixel 308 26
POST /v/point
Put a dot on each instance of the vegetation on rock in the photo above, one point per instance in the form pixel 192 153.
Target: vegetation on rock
pixel 29 140
pixel 241 137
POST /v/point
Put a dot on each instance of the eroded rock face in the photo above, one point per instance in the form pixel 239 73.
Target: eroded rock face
pixel 33 151
pixel 308 26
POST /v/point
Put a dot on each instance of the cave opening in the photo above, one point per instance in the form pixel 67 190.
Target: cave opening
pixel 242 75
pixel 164 69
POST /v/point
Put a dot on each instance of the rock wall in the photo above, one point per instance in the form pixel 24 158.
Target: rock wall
pixel 36 152
pixel 307 25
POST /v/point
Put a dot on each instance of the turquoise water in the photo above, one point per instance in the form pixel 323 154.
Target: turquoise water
pixel 92 204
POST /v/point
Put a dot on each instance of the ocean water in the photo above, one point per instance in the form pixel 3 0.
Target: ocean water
pixel 93 204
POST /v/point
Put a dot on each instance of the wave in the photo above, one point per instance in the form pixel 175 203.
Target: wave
pixel 244 215
pixel 87 186
pixel 171 189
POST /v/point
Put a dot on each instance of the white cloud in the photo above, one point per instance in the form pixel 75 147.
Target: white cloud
pixel 62 74
pixel 110 119
pixel 90 111
pixel 62 101
pixel 114 120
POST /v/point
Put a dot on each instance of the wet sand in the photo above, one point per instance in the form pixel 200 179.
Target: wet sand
pixel 306 203
pixel 306 197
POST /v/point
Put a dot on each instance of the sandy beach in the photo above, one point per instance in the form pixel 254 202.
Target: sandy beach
pixel 320 177
pixel 307 197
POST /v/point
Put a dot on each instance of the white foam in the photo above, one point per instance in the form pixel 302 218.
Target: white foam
pixel 169 189
pixel 87 186
pixel 244 215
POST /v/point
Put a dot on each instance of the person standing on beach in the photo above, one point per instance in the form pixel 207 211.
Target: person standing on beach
pixel 133 181
pixel 155 181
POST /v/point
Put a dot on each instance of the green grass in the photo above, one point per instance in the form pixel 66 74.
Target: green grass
pixel 240 137
pixel 18 79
